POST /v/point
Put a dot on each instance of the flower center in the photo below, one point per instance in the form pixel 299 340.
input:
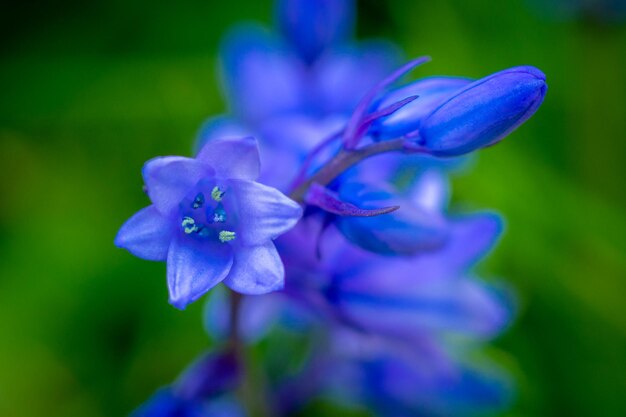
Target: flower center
pixel 207 218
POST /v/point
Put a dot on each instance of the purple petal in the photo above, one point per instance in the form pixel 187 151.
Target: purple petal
pixel 345 75
pixel 329 201
pixel 164 403
pixel 232 157
pixel 431 191
pixel 264 212
pixel 219 127
pixel 169 179
pixel 256 270
pixel 146 235
pixel 210 375
pixel 312 26
pixel 407 231
pixel 400 304
pixel 472 237
pixel 194 266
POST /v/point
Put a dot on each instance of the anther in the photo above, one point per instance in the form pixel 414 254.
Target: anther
pixel 198 201
pixel 217 194
pixel 189 225
pixel 226 236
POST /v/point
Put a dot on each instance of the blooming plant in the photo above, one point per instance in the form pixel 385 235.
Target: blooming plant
pixel 331 232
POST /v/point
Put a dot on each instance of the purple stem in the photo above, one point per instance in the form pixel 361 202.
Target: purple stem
pixel 350 135
pixel 345 159
pixel 306 164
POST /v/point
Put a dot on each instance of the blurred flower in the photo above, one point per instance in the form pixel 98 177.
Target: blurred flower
pixel 264 78
pixel 311 26
pixel 406 298
pixel 417 226
pixel 199 391
pixel 296 90
pixel 211 222
pixel 401 329
pixel 394 379
pixel 398 296
pixel 483 113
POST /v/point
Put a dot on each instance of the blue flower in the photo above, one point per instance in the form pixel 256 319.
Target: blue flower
pixel 311 26
pixel 211 222
pixel 400 296
pixel 395 379
pixel 483 113
pixel 165 404
pixel 419 225
pixel 202 390
pixel 314 74
pixel 264 78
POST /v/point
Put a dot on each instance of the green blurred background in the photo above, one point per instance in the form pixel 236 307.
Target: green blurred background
pixel 90 90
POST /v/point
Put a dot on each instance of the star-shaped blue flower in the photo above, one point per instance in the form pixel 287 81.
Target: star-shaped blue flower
pixel 211 222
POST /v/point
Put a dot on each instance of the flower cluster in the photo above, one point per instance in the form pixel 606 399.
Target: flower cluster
pixel 333 230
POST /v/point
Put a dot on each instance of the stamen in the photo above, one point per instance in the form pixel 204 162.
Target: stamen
pixel 189 225
pixel 198 201
pixel 217 194
pixel 226 236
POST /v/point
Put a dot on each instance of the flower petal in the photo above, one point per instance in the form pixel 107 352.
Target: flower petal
pixel 407 231
pixel 170 178
pixel 222 126
pixel 165 403
pixel 343 76
pixel 262 77
pixel 212 374
pixel 401 305
pixel 472 237
pixel 312 26
pixel 232 157
pixel 256 270
pixel 431 191
pixel 146 235
pixel 264 212
pixel 194 266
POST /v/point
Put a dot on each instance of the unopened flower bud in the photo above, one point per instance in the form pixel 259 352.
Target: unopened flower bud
pixel 483 113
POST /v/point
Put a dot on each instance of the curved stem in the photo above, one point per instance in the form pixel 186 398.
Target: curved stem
pixel 306 164
pixel 251 394
pixel 342 161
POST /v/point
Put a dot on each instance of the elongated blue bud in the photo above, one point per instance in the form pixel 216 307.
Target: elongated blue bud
pixel 483 113
pixel 313 25
pixel 430 92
